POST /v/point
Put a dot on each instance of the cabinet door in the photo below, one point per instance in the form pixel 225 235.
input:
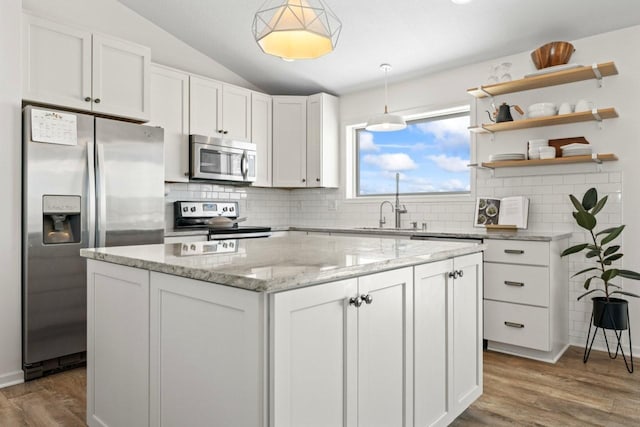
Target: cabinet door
pixel 206 354
pixel 236 112
pixel 313 365
pixel 261 132
pixel 56 62
pixel 204 106
pixel 385 349
pixel 117 345
pixel 289 141
pixel 121 78
pixel 432 316
pixel 466 297
pixel 322 141
pixel 170 110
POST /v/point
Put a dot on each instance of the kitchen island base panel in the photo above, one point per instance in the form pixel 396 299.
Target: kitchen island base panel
pixel 552 356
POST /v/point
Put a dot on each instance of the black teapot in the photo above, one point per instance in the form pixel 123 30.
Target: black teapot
pixel 503 113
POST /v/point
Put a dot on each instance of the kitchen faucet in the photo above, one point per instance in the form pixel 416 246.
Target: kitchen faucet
pixel 383 220
pixel 399 211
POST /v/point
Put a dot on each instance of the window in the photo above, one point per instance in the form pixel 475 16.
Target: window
pixel 431 155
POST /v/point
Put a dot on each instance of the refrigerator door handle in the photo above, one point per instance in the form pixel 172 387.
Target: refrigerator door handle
pixel 101 196
pixel 91 195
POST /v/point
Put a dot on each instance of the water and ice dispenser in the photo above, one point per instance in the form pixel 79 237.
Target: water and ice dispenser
pixel 60 219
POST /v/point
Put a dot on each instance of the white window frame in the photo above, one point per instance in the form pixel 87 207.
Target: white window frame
pixel 351 157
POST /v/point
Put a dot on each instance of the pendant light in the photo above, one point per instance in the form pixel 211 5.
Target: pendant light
pixel 386 122
pixel 296 29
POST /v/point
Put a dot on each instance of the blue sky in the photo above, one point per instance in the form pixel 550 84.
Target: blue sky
pixel 431 156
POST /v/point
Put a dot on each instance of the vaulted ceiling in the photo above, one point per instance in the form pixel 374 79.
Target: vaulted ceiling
pixel 416 36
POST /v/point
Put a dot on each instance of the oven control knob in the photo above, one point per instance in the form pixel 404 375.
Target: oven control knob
pixel 185 209
pixel 231 209
pixel 193 208
pixel 224 209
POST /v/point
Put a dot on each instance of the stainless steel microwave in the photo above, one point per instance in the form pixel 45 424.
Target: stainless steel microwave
pixel 219 159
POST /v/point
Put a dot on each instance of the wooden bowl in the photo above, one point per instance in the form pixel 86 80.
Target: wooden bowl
pixel 554 53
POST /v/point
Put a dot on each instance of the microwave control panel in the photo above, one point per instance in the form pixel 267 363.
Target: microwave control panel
pixel 207 209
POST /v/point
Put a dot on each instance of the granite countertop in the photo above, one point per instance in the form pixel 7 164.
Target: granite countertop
pixel 278 264
pixel 467 233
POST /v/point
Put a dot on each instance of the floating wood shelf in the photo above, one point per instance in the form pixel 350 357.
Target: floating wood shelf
pixel 595 71
pixel 562 119
pixel 596 158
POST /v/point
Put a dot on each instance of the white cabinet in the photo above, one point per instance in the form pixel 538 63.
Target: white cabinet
pixel 70 67
pixel 206 353
pixel 261 135
pixel 305 141
pixel 356 359
pixel 526 298
pixel 117 345
pixel 218 109
pixel 204 106
pixel 448 338
pixel 323 162
pixel 170 110
pixel 290 141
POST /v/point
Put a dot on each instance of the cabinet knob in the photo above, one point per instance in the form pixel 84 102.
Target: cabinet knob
pixel 186 174
pixel 366 298
pixel 317 179
pixel 87 99
pixel 225 132
pixel 219 130
pixel 355 301
pixel 453 274
pixel 460 273
pixel 304 180
pixel 97 100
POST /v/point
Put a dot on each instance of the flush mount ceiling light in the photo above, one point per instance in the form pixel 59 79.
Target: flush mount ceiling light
pixel 386 122
pixel 296 29
pixel 461 1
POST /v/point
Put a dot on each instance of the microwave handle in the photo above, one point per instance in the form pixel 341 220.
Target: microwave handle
pixel 244 166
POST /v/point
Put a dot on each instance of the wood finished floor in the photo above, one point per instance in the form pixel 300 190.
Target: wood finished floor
pixel 517 392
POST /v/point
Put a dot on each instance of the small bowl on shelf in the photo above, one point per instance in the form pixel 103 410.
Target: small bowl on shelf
pixel 551 54
pixel 547 153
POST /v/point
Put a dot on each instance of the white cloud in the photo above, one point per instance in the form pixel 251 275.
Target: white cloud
pixel 366 142
pixel 454 185
pixel 391 162
pixel 450 132
pixel 450 164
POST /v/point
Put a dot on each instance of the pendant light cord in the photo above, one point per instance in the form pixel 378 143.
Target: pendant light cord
pixel 386 92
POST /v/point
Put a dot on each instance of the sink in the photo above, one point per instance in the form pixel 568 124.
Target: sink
pixel 387 229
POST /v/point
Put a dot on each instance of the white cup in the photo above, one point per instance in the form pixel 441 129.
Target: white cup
pixel 565 108
pixel 583 105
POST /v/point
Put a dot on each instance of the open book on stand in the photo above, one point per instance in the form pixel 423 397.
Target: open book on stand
pixel 508 211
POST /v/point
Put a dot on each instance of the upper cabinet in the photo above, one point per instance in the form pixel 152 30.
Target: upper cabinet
pixel 70 67
pixel 170 110
pixel 289 141
pixel 322 141
pixel 261 135
pixel 305 141
pixel 218 109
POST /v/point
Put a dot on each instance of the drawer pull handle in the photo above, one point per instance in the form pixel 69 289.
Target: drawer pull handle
pixel 510 283
pixel 514 325
pixel 514 251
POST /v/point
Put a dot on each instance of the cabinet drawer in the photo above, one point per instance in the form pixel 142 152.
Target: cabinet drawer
pixel 517 251
pixel 517 283
pixel 517 325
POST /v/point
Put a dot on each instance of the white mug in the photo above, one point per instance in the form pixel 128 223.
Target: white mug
pixel 565 108
pixel 583 105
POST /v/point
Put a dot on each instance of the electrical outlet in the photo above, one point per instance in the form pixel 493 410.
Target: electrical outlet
pixel 333 205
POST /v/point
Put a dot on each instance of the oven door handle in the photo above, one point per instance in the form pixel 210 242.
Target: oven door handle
pixel 244 167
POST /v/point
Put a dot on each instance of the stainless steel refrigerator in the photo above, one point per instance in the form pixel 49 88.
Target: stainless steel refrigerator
pixel 87 182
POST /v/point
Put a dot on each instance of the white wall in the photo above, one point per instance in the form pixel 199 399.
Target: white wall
pixel 115 19
pixel 548 187
pixel 10 168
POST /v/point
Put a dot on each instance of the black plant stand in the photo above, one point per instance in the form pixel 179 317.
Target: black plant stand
pixel 618 334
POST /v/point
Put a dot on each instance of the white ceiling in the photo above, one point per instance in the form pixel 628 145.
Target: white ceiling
pixel 416 36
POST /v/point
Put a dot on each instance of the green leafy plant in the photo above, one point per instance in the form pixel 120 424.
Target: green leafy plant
pixel 603 256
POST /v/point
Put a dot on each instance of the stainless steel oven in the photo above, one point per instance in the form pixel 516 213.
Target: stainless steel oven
pixel 219 159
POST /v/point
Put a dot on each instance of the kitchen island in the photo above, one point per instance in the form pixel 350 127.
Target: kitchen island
pixel 292 331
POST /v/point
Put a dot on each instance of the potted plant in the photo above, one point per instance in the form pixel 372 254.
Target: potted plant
pixel 609 312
